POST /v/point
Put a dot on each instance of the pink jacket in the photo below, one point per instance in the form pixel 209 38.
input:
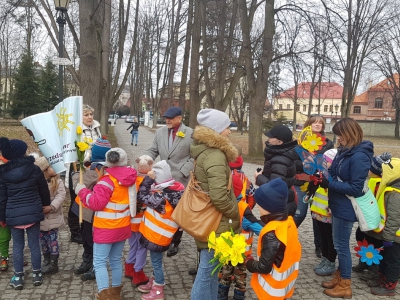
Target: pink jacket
pixel 97 200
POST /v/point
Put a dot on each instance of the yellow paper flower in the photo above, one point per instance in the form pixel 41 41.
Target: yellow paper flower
pixel 312 143
pixel 79 130
pixel 82 146
pixel 304 187
pixel 180 134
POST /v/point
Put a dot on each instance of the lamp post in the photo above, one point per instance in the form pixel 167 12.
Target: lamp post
pixel 336 111
pixel 61 8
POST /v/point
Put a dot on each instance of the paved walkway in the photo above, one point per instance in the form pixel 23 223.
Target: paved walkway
pixel 67 285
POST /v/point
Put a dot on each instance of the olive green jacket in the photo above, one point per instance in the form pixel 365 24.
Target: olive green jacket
pixel 212 153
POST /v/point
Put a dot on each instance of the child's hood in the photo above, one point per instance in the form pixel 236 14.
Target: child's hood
pixel 18 170
pixel 126 176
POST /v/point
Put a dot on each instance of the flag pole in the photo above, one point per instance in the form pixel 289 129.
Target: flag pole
pixel 80 201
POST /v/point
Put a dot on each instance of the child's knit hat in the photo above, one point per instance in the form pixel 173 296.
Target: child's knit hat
pixel 99 149
pixel 377 161
pixel 144 164
pixel 237 164
pixel 42 163
pixel 213 119
pixel 12 149
pixel 116 157
pixel 162 171
pixel 272 196
pixel 329 155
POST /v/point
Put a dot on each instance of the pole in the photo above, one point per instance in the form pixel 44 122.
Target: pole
pixel 61 23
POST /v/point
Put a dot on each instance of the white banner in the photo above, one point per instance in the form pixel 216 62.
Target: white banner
pixel 55 132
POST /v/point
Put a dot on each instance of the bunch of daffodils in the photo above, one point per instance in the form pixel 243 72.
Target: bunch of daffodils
pixel 229 248
pixel 81 147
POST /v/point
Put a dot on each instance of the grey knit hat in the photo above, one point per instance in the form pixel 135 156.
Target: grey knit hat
pixel 116 157
pixel 377 161
pixel 162 171
pixel 213 119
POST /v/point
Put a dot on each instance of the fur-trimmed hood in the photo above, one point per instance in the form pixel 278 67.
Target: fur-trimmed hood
pixel 205 137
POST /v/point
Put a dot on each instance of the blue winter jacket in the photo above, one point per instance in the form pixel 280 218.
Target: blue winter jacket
pixel 351 166
pixel 23 192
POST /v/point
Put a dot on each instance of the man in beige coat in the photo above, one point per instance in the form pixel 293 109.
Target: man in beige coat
pixel 172 144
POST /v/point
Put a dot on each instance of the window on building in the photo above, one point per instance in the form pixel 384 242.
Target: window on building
pixel 325 108
pixel 330 107
pixel 312 107
pixel 304 107
pixel 357 110
pixel 280 106
pixel 378 102
pixel 288 106
pixel 316 107
pixel 298 107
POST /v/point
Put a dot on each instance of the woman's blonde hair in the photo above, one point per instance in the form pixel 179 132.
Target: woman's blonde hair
pixel 350 130
pixel 86 107
pixel 314 119
pixel 53 184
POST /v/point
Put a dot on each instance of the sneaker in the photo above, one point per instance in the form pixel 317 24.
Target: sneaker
pixel 3 263
pixel 327 269
pixel 135 144
pixel 324 260
pixel 131 144
pixel 17 282
pixel 89 275
pixel 37 278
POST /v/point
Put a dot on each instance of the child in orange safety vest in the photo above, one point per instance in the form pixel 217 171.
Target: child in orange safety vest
pixel 136 259
pixel 278 250
pixel 160 193
pixel 250 225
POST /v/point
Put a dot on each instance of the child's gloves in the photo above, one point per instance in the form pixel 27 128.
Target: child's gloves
pixel 387 244
pixel 324 182
pixel 78 188
pixel 248 257
pixel 3 224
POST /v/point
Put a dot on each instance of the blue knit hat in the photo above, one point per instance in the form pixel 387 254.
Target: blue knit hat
pixel 99 149
pixel 272 196
pixel 12 149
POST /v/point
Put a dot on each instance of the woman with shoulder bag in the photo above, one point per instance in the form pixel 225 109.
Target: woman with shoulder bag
pixel 349 170
pixel 212 151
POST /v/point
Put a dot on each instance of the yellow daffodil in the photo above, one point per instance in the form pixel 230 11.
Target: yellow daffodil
pixel 87 140
pixel 238 249
pixel 222 247
pixel 82 146
pixel 79 130
pixel 180 134
pixel 211 240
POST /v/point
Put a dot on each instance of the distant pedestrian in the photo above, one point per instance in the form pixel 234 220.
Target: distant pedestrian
pixel 23 193
pixel 53 217
pixel 134 131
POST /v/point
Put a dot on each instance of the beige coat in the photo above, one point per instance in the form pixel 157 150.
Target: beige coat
pixel 55 219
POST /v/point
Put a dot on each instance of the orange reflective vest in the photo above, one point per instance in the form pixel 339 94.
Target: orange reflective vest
pixel 135 221
pixel 319 203
pixel 247 234
pixel 158 228
pixel 279 283
pixel 116 214
pixel 382 209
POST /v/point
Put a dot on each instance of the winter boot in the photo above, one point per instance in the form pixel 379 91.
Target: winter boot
pixel 86 264
pixel 139 278
pixel 376 282
pixel 37 277
pixel 328 268
pixel 341 290
pixel 46 259
pixel 3 263
pixel 146 288
pixel 333 282
pixel 129 270
pixel 89 275
pixel 372 273
pixel 223 291
pixel 156 293
pixel 385 289
pixel 238 295
pixel 321 264
pixel 52 266
pixel 115 292
pixel 360 267
pixel 104 295
pixel 17 282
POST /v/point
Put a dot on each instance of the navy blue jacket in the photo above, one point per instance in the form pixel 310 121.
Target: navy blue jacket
pixel 351 166
pixel 23 192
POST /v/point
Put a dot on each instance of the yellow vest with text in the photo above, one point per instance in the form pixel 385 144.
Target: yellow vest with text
pixel 247 234
pixel 158 228
pixel 279 283
pixel 382 209
pixel 116 214
pixel 319 203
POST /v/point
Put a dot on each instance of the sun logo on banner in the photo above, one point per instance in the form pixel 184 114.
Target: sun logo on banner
pixel 63 120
